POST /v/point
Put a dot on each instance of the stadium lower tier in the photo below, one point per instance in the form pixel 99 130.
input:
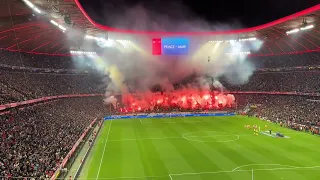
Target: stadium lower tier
pixel 300 109
pixel 34 140
pixel 201 148
pixel 43 125
pixel 20 86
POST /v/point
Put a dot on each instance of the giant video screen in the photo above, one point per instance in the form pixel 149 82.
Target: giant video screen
pixel 170 46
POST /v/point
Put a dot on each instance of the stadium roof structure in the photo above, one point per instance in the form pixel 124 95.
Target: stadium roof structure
pixel 58 26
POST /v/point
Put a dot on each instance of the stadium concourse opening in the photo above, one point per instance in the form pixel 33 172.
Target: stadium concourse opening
pixel 80 102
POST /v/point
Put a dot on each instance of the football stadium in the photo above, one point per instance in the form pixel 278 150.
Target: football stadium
pixel 157 98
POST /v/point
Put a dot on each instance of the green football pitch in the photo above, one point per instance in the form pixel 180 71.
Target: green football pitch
pixel 201 148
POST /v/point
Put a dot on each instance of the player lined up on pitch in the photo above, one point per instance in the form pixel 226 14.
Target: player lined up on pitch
pixel 256 128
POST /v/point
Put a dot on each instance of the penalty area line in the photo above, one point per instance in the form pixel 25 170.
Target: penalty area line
pixel 170 177
pixel 280 166
pixel 104 150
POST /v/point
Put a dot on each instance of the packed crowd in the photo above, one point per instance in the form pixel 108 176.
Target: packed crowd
pixel 18 86
pixel 285 109
pixel 298 81
pixel 35 61
pixel 35 140
pixel 67 62
pixel 293 60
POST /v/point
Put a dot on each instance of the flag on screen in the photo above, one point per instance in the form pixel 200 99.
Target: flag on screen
pixel 156 46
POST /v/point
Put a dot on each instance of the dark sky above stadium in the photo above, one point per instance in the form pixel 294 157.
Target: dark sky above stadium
pixel 248 12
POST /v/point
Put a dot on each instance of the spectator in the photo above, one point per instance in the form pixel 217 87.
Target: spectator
pixel 297 112
pixel 36 139
pixel 18 86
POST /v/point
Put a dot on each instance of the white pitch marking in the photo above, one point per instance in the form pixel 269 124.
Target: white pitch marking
pixel 104 150
pixel 179 137
pixel 225 134
pixel 208 172
pixel 133 177
pixel 271 169
pixel 235 169
pixel 252 175
pixel 289 168
pixel 144 122
pixel 231 140
pixel 215 135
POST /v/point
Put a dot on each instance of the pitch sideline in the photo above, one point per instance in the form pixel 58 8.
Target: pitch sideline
pixel 104 150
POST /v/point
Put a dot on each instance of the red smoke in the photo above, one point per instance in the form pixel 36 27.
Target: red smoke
pixel 180 99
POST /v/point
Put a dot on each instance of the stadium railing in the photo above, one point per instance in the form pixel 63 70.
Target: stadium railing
pixel 77 174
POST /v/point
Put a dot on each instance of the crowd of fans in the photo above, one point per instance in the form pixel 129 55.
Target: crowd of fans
pixel 67 62
pixel 298 81
pixel 297 112
pixel 35 61
pixel 19 86
pixel 34 140
pixel 293 60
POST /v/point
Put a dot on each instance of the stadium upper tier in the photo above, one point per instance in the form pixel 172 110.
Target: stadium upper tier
pixel 18 86
pixel 56 27
pixel 8 58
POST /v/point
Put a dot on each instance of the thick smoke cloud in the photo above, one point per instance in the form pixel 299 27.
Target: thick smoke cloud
pixel 111 100
pixel 132 68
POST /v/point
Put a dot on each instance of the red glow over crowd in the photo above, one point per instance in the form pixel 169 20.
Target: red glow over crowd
pixel 180 99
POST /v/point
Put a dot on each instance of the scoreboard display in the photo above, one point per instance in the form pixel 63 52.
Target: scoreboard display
pixel 170 46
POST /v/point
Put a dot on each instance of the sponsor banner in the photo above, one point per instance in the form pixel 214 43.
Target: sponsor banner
pixel 168 115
